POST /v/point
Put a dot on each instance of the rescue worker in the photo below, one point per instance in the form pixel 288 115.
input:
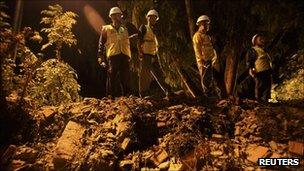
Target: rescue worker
pixel 148 54
pixel 259 64
pixel 114 52
pixel 206 58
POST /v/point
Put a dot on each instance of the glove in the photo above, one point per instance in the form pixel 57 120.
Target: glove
pixel 252 72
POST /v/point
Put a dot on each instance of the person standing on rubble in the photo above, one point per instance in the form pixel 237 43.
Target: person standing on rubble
pixel 114 52
pixel 259 64
pixel 148 55
pixel 206 58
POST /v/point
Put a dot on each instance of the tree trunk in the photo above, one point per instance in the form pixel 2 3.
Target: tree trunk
pixel 188 5
pixel 230 70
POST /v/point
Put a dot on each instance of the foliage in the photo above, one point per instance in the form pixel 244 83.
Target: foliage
pixel 15 70
pixel 3 16
pixel 292 87
pixel 60 27
pixel 55 83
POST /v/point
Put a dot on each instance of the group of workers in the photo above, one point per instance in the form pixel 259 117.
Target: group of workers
pixel 114 54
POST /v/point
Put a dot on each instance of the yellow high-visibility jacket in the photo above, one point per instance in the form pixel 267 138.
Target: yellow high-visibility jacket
pixel 203 49
pixel 150 44
pixel 263 61
pixel 117 41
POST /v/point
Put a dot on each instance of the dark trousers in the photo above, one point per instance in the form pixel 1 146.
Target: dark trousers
pixel 149 64
pixel 211 79
pixel 263 85
pixel 118 65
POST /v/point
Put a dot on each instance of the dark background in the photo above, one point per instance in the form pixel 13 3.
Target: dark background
pixel 233 22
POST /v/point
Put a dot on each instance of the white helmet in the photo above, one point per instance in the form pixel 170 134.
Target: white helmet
pixel 153 12
pixel 202 18
pixel 115 10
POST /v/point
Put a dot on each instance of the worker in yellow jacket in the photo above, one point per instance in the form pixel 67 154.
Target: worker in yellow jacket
pixel 114 52
pixel 206 58
pixel 148 54
pixel 259 64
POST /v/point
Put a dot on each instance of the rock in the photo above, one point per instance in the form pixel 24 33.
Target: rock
pixel 255 152
pixel 217 136
pixel 148 169
pixel 164 165
pixel 276 155
pixel 121 129
pixel 237 130
pixel 68 144
pixel 157 156
pixel 26 154
pixel 296 147
pixel 273 145
pixel 17 165
pixel 8 155
pixel 48 112
pixel 249 168
pixel 125 143
pixel 161 124
pixel 176 167
pixel 216 153
pixel 75 110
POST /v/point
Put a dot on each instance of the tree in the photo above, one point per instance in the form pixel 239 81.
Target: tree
pixel 60 27
pixel 55 81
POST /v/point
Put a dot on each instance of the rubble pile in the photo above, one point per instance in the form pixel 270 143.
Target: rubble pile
pixel 131 133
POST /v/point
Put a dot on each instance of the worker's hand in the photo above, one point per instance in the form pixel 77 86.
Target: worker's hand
pixel 252 72
pixel 101 63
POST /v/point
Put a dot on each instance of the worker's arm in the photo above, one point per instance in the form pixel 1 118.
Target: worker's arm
pixel 197 45
pixel 102 60
pixel 250 60
pixel 141 33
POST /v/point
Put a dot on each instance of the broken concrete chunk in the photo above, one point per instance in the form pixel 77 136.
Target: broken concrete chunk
pixel 164 165
pixel 273 145
pixel 26 154
pixel 176 167
pixel 216 153
pixel 276 155
pixel 17 164
pixel 296 147
pixel 48 112
pixel 125 143
pixel 68 144
pixel 159 157
pixel 255 152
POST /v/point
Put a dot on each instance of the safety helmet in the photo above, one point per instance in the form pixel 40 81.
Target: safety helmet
pixel 202 18
pixel 115 10
pixel 153 12
pixel 255 37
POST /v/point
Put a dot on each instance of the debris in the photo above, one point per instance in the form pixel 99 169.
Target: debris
pixel 273 145
pixel 164 165
pixel 255 152
pixel 68 145
pixel 26 154
pixel 130 133
pixel 296 147
pixel 125 143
